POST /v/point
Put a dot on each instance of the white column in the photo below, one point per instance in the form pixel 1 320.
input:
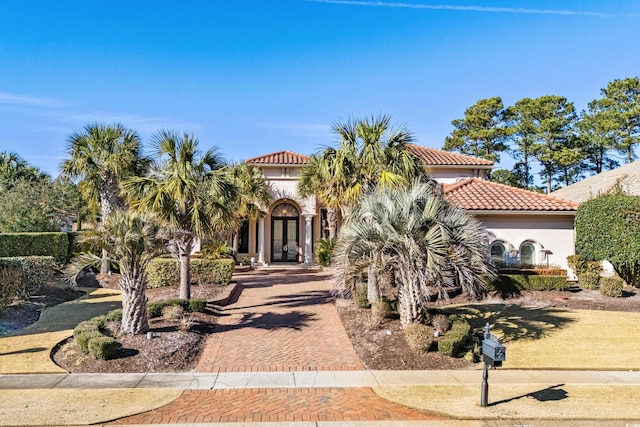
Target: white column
pixel 307 239
pixel 261 241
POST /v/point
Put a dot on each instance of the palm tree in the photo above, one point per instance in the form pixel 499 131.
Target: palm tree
pixel 370 153
pixel 132 240
pixel 428 246
pixel 253 195
pixel 101 156
pixel 189 191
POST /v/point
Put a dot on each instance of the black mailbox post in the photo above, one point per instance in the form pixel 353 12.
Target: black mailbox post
pixel 493 354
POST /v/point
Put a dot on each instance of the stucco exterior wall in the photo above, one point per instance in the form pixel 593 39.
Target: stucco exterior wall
pixel 553 233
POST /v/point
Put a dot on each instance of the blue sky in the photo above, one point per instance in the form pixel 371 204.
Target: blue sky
pixel 253 77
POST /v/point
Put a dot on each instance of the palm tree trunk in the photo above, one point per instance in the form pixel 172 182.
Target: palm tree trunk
pixel 373 290
pixel 332 222
pixel 105 264
pixel 134 306
pixel 185 276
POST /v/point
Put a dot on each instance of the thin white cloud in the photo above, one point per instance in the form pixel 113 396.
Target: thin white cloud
pixel 28 101
pixel 490 9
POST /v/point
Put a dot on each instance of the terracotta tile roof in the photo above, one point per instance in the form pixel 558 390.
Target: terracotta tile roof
pixel 627 177
pixel 476 194
pixel 280 158
pixel 434 157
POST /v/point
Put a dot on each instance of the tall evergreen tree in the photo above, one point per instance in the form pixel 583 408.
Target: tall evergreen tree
pixel 522 118
pixel 482 132
pixel 596 129
pixel 555 146
pixel 621 102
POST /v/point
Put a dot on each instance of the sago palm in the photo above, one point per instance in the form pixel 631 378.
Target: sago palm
pixel 190 191
pixel 132 240
pixel 428 246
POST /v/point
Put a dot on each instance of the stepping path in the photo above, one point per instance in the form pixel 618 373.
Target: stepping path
pixel 284 320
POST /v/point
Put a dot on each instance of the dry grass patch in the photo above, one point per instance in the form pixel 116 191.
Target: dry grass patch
pixel 28 350
pixel 551 338
pixel 78 407
pixel 517 401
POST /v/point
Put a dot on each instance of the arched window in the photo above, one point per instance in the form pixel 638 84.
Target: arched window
pixel 498 254
pixel 527 254
pixel 285 210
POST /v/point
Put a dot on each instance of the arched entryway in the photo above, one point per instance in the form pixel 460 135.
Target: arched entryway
pixel 285 233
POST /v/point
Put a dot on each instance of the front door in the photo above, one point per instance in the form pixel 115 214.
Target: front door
pixel 285 234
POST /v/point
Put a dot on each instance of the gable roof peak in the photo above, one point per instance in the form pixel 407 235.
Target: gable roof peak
pixel 284 157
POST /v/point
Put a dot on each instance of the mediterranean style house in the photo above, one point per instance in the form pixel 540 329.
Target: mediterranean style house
pixel 525 228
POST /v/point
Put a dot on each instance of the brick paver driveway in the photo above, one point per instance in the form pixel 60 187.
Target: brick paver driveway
pixel 284 320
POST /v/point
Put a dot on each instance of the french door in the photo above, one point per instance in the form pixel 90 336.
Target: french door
pixel 285 234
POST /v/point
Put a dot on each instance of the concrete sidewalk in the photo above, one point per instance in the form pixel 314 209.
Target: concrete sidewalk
pixel 310 379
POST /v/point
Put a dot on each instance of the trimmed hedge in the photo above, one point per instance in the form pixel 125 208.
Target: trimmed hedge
pixel 10 275
pixel 454 341
pixel 154 309
pixel 166 271
pixel 534 271
pixel 520 282
pixel 104 347
pixel 91 340
pixel 419 337
pixel 35 271
pixel 55 245
pixel 611 286
pixel 589 280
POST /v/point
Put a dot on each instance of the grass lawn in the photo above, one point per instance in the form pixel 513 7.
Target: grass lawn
pixel 517 401
pixel 78 407
pixel 28 351
pixel 551 338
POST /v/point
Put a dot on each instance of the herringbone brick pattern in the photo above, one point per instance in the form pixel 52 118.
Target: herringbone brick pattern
pixel 283 321
pixel 253 405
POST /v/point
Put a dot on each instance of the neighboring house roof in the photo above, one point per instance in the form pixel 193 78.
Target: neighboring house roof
pixel 476 194
pixel 431 157
pixel 627 177
pixel 434 157
pixel 280 158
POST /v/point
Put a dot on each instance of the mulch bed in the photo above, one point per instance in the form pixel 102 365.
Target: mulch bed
pixel 380 345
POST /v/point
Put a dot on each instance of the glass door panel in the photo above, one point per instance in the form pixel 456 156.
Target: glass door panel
pixel 292 241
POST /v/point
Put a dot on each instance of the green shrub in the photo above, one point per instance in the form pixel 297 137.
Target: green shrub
pixel 453 342
pixel 217 249
pixel 154 309
pixel 516 283
pixel 104 347
pixel 323 253
pixel 419 337
pixel 589 280
pixel 579 265
pixel 166 272
pixel 9 280
pixel 114 315
pixel 362 301
pixel 197 305
pixel 611 286
pixel 35 271
pixel 85 332
pixel 55 245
